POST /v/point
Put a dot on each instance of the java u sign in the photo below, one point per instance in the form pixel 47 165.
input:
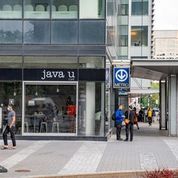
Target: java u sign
pixel 121 77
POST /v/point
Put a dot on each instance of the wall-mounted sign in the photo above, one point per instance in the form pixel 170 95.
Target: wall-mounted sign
pixel 50 74
pixel 121 77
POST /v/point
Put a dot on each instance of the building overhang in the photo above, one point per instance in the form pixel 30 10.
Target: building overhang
pixel 153 69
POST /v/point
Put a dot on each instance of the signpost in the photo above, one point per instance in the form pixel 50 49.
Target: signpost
pixel 121 77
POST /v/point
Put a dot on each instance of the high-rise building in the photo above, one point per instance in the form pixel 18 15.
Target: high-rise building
pixel 131 22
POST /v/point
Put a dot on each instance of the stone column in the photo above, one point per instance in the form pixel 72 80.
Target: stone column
pixel 172 112
pixel 162 94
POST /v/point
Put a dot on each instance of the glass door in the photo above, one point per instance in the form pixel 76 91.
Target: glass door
pixel 49 108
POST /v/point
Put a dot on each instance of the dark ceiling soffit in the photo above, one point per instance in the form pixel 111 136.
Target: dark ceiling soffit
pixel 67 50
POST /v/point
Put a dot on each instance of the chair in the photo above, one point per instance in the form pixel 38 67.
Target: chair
pixel 53 8
pixel 55 126
pixel 26 126
pixel 7 7
pixel 29 8
pixel 62 8
pixel 39 7
pixel 43 125
pixel 17 7
pixel 73 8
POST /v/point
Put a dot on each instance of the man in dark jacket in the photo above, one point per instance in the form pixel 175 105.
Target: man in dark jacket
pixel 119 117
pixel 129 126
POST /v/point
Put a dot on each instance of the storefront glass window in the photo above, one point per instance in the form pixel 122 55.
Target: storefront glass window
pixel 50 108
pixel 64 32
pixel 67 9
pixel 92 9
pixel 37 9
pixel 36 32
pixel 11 9
pixel 10 31
pixel 91 109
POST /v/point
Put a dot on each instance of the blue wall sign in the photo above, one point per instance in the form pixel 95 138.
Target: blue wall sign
pixel 121 77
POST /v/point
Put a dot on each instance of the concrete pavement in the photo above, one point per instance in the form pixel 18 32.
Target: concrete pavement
pixel 149 150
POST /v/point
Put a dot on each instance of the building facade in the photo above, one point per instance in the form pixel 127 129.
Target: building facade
pixel 165 44
pixel 52 65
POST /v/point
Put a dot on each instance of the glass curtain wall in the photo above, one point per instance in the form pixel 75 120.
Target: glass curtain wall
pixel 139 35
pixel 92 9
pixel 139 7
pixel 123 11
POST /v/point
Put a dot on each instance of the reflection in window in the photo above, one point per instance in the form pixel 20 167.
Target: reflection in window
pixel 11 9
pixel 92 9
pixel 139 7
pixel 36 32
pixel 123 9
pixel 11 61
pixel 123 40
pixel 50 62
pixel 10 31
pixel 139 35
pixel 38 9
pixel 91 109
pixel 67 9
pixel 91 62
pixel 64 32
pixel 92 32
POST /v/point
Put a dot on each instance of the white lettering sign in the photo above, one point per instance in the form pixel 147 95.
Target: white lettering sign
pixel 57 74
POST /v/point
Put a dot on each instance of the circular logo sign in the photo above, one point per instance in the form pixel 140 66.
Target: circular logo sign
pixel 121 75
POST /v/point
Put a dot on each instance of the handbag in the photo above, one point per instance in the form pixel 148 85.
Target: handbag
pixel 126 121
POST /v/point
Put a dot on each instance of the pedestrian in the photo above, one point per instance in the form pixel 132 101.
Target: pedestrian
pixel 10 128
pixel 129 123
pixel 119 117
pixel 149 115
pixel 136 118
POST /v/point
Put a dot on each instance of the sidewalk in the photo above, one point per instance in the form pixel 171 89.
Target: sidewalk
pixel 38 158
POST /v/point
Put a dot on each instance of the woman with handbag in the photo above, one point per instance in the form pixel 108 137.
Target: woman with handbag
pixel 129 122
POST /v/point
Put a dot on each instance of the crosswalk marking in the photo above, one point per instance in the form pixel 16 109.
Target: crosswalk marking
pixel 86 159
pixel 148 161
pixel 23 154
pixel 173 145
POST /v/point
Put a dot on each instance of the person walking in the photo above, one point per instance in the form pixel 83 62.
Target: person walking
pixel 149 115
pixel 119 117
pixel 10 128
pixel 129 123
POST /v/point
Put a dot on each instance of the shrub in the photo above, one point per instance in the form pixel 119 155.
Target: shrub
pixel 164 173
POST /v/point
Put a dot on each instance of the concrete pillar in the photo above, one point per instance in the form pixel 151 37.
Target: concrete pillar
pixel 90 108
pixel 102 110
pixel 90 104
pixel 162 85
pixel 172 112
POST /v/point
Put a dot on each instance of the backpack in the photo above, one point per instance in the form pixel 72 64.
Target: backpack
pixel 119 116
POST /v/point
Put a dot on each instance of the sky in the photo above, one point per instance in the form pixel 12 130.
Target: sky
pixel 166 15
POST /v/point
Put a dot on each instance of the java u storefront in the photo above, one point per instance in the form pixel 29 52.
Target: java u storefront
pixel 55 103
